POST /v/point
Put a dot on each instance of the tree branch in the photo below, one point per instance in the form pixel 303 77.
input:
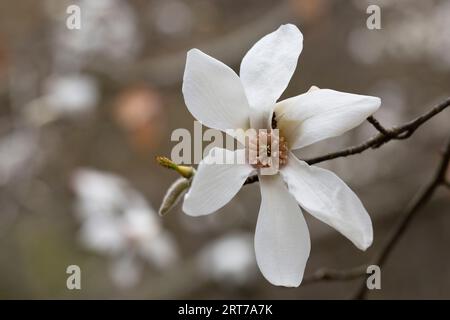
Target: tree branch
pixel 396 133
pixel 325 274
pixel 377 125
pixel 384 136
pixel 411 210
pixel 395 234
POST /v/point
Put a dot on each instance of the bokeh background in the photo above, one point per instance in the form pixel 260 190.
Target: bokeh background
pixel 83 113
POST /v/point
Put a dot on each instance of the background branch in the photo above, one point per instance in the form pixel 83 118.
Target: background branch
pixel 410 212
pixel 396 133
pixel 326 274
pixel 439 179
pixel 377 125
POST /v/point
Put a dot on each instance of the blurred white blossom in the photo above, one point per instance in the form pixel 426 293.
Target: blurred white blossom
pixel 18 154
pixel 229 260
pixel 108 35
pixel 71 93
pixel 118 221
pixel 64 96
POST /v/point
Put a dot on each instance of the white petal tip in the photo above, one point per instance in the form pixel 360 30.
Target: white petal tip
pixel 293 29
pixel 375 104
pixel 193 51
pixel 370 104
pixel 365 245
pixel 288 283
pixel 195 54
pixel 187 209
pixel 313 88
pixel 289 27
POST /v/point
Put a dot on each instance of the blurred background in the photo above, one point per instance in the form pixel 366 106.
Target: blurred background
pixel 83 113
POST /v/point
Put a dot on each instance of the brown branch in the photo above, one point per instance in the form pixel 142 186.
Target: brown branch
pixel 385 135
pixel 325 274
pixel 410 212
pixel 396 133
pixel 395 234
pixel 377 125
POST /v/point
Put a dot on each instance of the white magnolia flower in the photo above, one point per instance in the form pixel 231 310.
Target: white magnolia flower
pixel 221 99
pixel 118 221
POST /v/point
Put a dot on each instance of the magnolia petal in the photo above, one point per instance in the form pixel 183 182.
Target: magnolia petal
pixel 268 66
pixel 322 113
pixel 329 199
pixel 282 242
pixel 213 93
pixel 215 183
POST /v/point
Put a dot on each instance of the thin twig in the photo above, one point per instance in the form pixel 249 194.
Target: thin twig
pixel 385 135
pixel 411 210
pixel 396 133
pixel 377 125
pixel 417 203
pixel 325 274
